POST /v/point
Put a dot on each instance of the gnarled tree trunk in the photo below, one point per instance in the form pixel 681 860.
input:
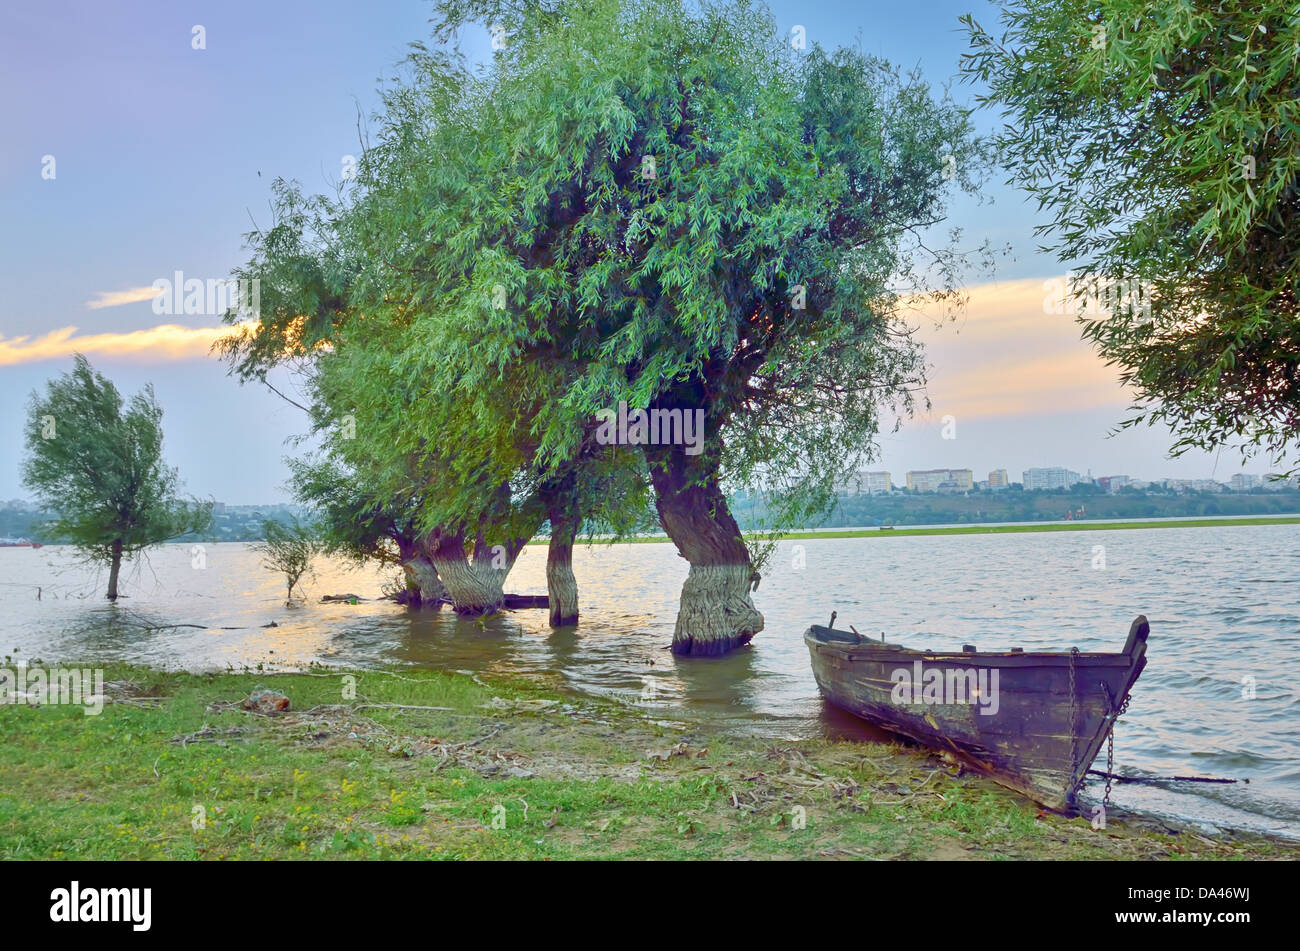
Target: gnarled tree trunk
pixel 474 584
pixel 114 567
pixel 424 587
pixel 561 585
pixel 715 614
pixel 423 577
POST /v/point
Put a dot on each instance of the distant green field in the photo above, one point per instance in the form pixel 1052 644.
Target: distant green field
pixel 1078 526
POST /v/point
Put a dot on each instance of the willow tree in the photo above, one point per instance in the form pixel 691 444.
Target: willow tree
pixel 312 262
pixel 363 525
pixel 433 477
pixel 96 459
pixel 464 460
pixel 1160 137
pixel 307 261
pixel 672 209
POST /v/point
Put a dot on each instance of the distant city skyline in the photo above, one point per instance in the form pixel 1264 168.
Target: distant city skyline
pixel 12 490
pixel 1036 478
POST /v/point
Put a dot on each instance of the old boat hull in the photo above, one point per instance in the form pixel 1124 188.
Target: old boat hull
pixel 1020 727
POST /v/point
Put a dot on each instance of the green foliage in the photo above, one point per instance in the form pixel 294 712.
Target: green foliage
pixel 305 274
pixel 544 260
pixel 288 548
pixel 503 268
pixel 352 520
pixel 1162 140
pixel 96 460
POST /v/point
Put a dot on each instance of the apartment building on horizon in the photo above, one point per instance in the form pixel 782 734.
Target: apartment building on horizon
pixel 1193 485
pixel 940 480
pixel 875 483
pixel 1276 482
pixel 1051 477
pixel 863 482
pixel 1047 478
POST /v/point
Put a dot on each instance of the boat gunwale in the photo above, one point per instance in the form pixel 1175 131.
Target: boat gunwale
pixel 867 650
pixel 988 659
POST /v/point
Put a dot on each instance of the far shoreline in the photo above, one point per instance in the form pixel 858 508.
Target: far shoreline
pixel 814 534
pixel 1079 525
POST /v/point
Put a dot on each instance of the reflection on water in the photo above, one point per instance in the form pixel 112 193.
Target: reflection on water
pixel 1223 603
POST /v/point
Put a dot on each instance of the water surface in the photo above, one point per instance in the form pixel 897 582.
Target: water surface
pixel 1223 604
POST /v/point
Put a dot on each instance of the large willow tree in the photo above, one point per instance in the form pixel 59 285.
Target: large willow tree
pixel 638 203
pixel 669 207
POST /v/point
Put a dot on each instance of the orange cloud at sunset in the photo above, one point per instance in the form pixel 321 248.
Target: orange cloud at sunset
pixel 132 295
pixel 1006 355
pixel 164 343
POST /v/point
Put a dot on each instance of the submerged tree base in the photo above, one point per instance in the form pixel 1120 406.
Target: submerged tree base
pixel 562 596
pixel 716 614
pixel 475 584
pixel 423 584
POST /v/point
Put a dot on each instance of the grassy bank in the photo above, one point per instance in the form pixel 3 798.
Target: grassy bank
pixel 1083 525
pixel 174 768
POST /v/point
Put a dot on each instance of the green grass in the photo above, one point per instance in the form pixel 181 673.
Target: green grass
pixel 512 769
pixel 1073 526
pixel 1082 525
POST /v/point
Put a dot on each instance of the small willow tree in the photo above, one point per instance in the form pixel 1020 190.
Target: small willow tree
pixel 362 524
pixel 96 460
pixel 288 548
pixel 1160 137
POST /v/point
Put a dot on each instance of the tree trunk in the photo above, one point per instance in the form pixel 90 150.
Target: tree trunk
pixel 114 567
pixel 716 614
pixel 474 585
pixel 561 585
pixel 423 577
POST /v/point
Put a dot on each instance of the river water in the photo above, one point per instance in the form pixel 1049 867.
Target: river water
pixel 1224 606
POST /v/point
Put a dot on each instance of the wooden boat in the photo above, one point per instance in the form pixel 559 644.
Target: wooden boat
pixel 1033 721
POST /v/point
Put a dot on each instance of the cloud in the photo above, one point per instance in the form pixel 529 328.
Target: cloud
pixel 164 343
pixel 133 295
pixel 1005 355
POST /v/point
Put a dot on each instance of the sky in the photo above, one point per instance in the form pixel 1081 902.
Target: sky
pixel 141 140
